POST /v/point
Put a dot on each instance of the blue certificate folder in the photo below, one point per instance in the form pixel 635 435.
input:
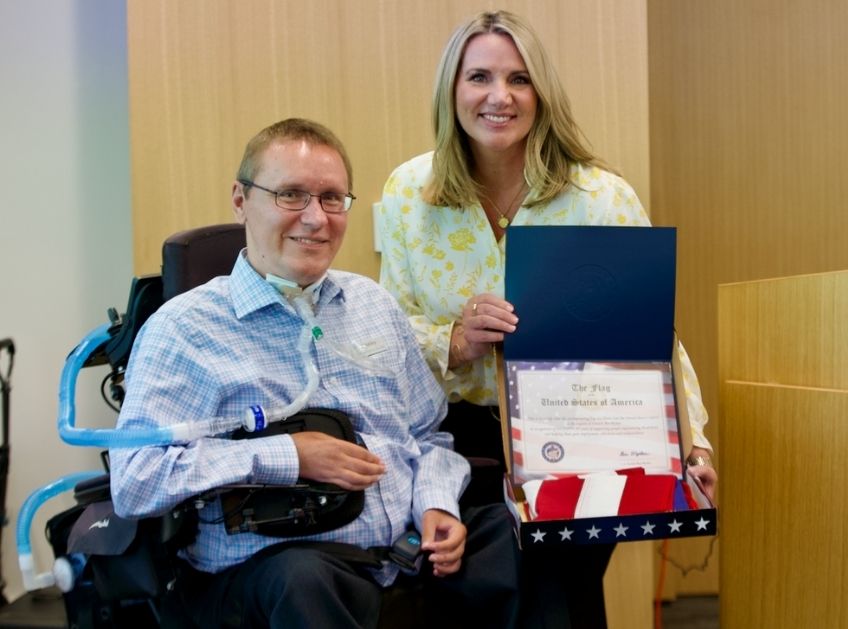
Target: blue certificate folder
pixel 591 293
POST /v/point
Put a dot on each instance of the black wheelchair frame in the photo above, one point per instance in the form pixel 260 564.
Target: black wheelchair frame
pixel 126 578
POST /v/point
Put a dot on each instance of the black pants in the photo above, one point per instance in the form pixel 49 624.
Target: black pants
pixel 565 587
pixel 307 587
pixel 476 434
pixel 559 589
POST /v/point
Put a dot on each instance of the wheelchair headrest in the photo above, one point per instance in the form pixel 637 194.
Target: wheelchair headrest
pixel 189 258
pixel 194 256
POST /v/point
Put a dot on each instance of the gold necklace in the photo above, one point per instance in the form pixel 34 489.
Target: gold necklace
pixel 504 220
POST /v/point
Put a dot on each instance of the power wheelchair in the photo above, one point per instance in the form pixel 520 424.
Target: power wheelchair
pixel 126 578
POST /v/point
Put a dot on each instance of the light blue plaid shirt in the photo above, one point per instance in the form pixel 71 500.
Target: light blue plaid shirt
pixel 232 343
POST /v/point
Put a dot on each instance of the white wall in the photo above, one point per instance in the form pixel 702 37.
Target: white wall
pixel 65 233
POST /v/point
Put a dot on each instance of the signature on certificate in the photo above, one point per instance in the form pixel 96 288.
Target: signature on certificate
pixel 633 453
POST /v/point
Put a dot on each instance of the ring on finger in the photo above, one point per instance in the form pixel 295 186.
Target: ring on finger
pixel 474 307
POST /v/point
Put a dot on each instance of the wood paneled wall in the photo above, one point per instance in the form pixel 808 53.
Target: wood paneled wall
pixel 783 370
pixel 205 75
pixel 748 139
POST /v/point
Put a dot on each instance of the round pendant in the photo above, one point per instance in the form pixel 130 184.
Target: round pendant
pixel 503 222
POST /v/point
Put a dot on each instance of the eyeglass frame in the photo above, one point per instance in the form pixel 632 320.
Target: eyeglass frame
pixel 349 198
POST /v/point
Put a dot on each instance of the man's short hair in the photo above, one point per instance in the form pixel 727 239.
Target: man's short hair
pixel 291 129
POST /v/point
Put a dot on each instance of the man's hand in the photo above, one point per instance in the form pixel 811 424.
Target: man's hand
pixel 329 460
pixel 444 537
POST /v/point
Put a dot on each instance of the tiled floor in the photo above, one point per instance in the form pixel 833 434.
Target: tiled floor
pixel 691 612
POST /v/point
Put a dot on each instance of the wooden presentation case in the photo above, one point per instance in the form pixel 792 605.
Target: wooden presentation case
pixel 608 271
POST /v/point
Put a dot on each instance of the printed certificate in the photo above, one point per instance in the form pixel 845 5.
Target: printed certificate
pixel 589 417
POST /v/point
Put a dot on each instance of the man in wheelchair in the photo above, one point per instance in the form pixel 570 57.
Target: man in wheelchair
pixel 280 334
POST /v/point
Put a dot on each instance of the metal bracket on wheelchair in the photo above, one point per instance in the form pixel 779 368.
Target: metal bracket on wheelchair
pixel 275 510
pixel 248 521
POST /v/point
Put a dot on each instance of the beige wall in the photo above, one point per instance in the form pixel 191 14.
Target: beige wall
pixel 65 235
pixel 748 146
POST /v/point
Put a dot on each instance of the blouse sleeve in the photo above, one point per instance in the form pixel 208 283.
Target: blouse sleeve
pixel 698 417
pixel 396 275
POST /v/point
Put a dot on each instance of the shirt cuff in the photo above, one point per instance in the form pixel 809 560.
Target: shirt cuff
pixel 427 499
pixel 443 343
pixel 441 346
pixel 275 460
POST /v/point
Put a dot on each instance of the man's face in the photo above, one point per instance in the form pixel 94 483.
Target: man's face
pixel 295 245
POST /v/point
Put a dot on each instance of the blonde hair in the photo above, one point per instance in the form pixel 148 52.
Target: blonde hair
pixel 554 142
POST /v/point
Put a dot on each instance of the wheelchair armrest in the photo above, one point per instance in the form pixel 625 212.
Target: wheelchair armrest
pixel 92 490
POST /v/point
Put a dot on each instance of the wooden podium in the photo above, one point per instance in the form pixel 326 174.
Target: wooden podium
pixel 783 413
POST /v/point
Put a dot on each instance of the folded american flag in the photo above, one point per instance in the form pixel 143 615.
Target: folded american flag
pixel 626 492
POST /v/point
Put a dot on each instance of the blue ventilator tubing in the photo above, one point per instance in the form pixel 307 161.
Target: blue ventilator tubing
pixel 254 418
pixel 105 438
pixel 33 581
pixel 183 432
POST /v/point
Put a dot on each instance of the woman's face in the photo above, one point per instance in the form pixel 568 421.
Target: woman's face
pixel 495 101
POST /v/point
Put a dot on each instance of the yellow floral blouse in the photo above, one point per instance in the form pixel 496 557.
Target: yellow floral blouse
pixel 435 258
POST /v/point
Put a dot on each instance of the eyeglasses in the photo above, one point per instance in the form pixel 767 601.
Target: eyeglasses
pixel 297 200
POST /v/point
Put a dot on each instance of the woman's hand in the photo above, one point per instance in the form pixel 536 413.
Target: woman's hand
pixel 705 475
pixel 486 318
